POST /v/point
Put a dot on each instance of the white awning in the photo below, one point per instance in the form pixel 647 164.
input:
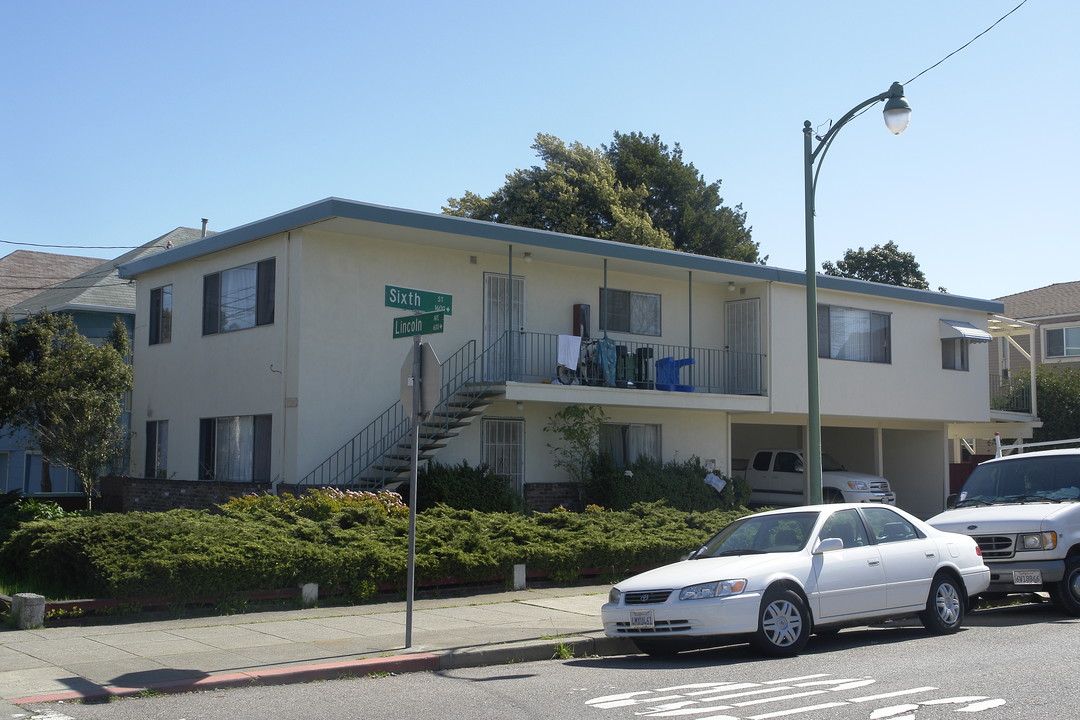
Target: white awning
pixel 966 331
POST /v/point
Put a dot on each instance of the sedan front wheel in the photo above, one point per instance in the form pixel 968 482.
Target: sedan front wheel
pixel 783 624
pixel 944 607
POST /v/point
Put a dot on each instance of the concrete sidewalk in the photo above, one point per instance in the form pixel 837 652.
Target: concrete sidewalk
pixel 95 661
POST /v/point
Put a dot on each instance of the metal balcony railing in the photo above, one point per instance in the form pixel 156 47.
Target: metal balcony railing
pixel 532 357
pixel 1010 394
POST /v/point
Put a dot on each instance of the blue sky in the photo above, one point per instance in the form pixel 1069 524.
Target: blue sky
pixel 124 120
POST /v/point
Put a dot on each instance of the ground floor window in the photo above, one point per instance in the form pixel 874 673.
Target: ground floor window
pixel 61 479
pixel 624 443
pixel 235 448
pixel 157 448
pixel 504 448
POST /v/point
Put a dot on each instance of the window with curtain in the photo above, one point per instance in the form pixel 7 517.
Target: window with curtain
pixel 239 298
pixel 624 443
pixel 853 334
pixel 630 312
pixel 235 448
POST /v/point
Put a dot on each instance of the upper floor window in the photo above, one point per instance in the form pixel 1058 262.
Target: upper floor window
pixel 239 298
pixel 1063 342
pixel 853 334
pixel 630 312
pixel 954 354
pixel 161 315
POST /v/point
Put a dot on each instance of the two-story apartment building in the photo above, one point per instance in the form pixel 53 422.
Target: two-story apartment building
pixel 279 363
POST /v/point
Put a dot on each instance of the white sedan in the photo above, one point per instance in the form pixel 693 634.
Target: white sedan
pixel 778 576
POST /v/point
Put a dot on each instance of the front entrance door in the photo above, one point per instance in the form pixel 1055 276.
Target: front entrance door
pixel 503 352
pixel 742 359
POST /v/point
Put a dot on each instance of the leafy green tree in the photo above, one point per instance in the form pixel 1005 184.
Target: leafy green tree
pixel 1057 390
pixel 881 264
pixel 679 200
pixel 579 428
pixel 635 191
pixel 65 392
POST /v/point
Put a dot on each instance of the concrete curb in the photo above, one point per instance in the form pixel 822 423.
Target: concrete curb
pixel 529 651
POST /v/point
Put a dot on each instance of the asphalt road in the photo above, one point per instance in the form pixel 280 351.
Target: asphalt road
pixel 1017 662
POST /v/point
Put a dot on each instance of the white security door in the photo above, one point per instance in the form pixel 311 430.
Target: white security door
pixel 742 333
pixel 503 352
pixel 504 449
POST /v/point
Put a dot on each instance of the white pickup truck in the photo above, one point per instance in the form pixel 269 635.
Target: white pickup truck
pixel 1024 511
pixel 776 477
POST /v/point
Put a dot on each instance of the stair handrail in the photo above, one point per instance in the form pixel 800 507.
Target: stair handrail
pixel 457 372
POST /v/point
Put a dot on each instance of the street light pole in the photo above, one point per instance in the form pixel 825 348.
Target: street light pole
pixel 897 113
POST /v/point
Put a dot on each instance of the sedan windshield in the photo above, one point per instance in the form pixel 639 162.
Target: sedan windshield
pixel 788 532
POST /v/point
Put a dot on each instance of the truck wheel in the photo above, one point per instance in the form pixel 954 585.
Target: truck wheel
pixel 1066 594
pixel 832 495
pixel 783 624
pixel 944 607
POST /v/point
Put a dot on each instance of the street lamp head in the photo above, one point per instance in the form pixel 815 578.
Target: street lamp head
pixel 897 110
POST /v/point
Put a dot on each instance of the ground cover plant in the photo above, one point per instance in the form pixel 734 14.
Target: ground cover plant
pixel 356 542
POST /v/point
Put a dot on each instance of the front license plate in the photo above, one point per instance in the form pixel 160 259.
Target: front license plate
pixel 641 619
pixel 1027 577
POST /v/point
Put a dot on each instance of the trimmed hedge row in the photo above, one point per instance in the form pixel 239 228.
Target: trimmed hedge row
pixel 353 541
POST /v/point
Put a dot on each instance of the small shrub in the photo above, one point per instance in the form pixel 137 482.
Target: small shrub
pixel 467 488
pixel 680 484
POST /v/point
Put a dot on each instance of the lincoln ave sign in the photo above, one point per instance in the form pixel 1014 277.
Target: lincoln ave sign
pixel 422 324
pixel 419 300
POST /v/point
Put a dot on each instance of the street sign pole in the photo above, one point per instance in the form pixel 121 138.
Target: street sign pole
pixel 417 370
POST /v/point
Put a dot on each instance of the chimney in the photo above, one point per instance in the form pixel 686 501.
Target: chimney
pixel 204 221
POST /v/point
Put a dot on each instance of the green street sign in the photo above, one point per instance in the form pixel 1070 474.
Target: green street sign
pixel 419 300
pixel 424 324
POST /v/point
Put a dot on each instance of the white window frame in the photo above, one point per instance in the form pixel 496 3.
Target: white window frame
pixel 1070 348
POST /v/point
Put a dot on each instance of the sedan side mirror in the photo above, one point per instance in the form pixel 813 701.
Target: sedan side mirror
pixel 950 502
pixel 828 545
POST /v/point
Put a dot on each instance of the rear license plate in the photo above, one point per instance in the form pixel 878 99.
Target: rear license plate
pixel 641 619
pixel 1027 577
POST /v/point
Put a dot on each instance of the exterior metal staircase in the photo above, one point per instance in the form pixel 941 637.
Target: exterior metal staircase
pixel 380 455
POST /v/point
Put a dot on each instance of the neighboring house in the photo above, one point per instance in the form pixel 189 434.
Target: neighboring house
pixel 1054 313
pixel 25 273
pixel 277 364
pixel 94 298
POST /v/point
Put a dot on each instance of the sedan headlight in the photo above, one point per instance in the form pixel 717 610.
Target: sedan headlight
pixel 859 485
pixel 1038 541
pixel 720 588
pixel 614 596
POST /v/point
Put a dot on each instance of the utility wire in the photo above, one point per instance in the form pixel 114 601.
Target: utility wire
pixel 1024 2
pixel 966 44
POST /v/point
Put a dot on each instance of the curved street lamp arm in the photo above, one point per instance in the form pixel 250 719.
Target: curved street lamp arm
pixel 818 154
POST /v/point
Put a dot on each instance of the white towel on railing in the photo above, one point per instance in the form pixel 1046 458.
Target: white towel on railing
pixel 569 350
